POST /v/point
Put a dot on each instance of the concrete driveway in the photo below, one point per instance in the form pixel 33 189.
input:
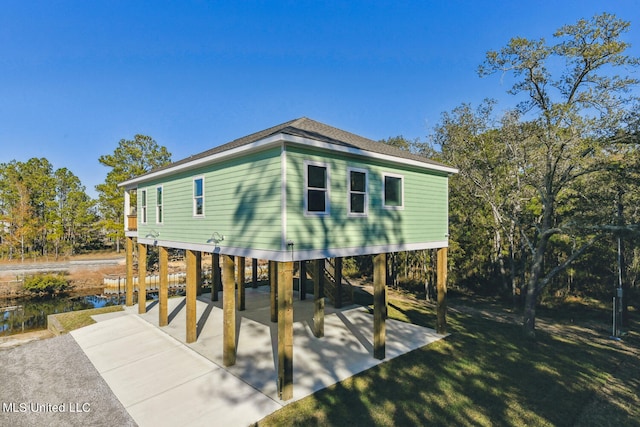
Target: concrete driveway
pixel 160 380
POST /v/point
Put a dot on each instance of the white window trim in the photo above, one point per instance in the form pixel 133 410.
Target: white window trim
pixel 327 197
pixel 366 192
pixel 193 196
pixel 393 175
pixel 159 205
pixel 144 202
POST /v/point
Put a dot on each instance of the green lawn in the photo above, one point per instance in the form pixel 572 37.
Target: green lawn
pixel 77 319
pixel 486 373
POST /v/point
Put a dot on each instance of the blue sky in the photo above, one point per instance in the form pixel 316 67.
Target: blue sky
pixel 78 76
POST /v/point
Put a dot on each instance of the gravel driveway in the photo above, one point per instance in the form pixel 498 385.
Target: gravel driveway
pixel 52 382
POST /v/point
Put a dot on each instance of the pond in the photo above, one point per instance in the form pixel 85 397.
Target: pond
pixel 27 314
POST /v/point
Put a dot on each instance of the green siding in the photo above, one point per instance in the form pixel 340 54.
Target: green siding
pixel 242 202
pixel 424 217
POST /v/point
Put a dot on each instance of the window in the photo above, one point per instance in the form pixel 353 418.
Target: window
pixel 317 188
pixel 357 187
pixel 393 192
pixel 159 205
pixel 143 206
pixel 198 196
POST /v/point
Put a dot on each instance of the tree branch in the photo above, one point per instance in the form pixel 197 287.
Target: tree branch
pixel 557 269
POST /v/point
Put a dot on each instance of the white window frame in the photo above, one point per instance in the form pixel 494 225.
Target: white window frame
pixel 159 204
pixel 384 200
pixel 143 206
pixel 195 198
pixel 327 206
pixel 366 192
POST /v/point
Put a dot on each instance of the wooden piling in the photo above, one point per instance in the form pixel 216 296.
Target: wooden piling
pixel 191 296
pixel 142 278
pixel 338 276
pixel 240 283
pixel 302 284
pixel 228 311
pixel 318 298
pixel 379 303
pixel 273 284
pixel 216 280
pixel 163 295
pixel 285 330
pixel 198 273
pixel 254 272
pixel 129 255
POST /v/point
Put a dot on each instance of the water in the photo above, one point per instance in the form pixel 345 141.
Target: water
pixel 28 314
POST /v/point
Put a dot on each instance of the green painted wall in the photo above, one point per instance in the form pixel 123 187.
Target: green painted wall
pixel 423 219
pixel 242 202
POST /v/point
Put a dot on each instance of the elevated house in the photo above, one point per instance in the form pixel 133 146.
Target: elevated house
pixel 296 192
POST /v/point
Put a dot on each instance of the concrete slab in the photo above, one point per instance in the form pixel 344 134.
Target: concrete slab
pixel 160 380
pixel 168 364
pixel 218 398
pixel 137 342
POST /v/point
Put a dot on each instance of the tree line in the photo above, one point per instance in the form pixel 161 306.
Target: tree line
pixel 546 202
pixel 48 213
pixel 44 211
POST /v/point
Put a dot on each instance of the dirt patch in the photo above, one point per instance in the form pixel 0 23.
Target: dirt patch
pixel 19 339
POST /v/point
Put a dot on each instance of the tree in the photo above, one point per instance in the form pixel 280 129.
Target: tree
pixel 487 190
pixel 75 212
pixel 37 176
pixel 399 142
pixel 573 114
pixel 131 158
pixel 39 207
pixel 26 196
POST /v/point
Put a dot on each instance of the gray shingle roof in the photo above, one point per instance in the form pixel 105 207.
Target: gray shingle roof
pixel 307 128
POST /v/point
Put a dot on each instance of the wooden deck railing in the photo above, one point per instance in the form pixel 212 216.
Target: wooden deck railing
pixel 132 223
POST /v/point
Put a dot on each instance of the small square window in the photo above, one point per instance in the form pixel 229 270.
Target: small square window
pixel 357 203
pixel 316 201
pixel 393 192
pixel 317 176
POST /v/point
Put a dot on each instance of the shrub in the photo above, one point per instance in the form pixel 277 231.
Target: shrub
pixel 350 268
pixel 46 284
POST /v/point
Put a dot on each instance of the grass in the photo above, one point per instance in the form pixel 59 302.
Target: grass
pixel 77 319
pixel 485 373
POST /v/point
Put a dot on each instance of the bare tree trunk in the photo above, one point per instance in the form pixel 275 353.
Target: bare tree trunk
pixel 533 285
pixel 531 297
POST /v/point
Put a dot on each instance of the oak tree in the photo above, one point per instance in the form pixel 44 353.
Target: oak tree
pixel 571 112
